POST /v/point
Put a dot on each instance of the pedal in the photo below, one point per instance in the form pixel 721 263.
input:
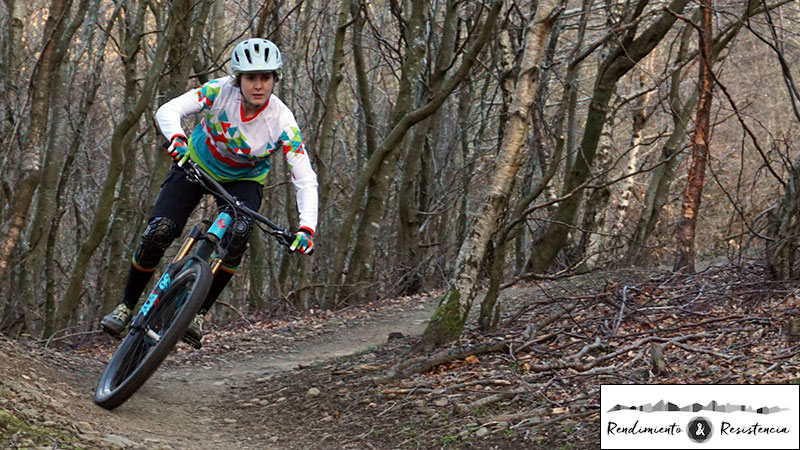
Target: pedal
pixel 192 342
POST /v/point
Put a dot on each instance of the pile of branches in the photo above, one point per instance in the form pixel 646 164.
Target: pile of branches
pixel 725 325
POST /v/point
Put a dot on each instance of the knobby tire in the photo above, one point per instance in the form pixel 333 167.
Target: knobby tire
pixel 138 357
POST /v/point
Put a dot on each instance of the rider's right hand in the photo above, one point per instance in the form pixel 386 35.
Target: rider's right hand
pixel 178 147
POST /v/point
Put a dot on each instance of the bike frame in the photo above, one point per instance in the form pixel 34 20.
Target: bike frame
pixel 208 238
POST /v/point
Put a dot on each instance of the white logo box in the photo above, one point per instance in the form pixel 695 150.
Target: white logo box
pixel 740 416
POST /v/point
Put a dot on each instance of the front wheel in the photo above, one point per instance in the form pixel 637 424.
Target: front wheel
pixel 146 346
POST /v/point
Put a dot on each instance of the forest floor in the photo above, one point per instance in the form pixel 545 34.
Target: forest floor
pixel 341 380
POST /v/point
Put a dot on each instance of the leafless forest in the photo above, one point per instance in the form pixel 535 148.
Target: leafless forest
pixel 460 145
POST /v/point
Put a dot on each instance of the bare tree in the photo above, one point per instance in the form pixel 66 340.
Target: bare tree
pixel 783 230
pixel 448 321
pixel 661 179
pixel 548 162
pixel 631 48
pixel 684 257
pixel 401 124
pixel 411 197
pixel 70 301
pixel 42 83
pixel 680 110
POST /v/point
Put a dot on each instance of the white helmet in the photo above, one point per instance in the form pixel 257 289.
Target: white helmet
pixel 256 55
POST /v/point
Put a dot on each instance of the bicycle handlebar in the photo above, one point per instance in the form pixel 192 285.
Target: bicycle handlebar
pixel 193 170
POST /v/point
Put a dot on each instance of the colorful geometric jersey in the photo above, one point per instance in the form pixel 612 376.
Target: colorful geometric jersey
pixel 230 146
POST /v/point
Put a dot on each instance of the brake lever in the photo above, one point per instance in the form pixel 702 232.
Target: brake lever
pixel 282 236
pixel 191 171
pixel 286 240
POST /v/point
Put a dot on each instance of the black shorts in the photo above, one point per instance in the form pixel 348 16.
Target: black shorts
pixel 179 196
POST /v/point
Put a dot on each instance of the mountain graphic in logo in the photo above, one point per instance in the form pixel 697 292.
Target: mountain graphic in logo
pixel 695 407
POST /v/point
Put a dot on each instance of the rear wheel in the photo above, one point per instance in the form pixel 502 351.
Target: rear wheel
pixel 145 347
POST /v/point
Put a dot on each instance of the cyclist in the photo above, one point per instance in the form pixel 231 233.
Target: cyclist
pixel 242 124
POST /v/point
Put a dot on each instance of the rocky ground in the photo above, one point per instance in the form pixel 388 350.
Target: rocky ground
pixel 345 379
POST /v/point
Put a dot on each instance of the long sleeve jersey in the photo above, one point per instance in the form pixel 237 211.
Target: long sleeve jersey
pixel 230 146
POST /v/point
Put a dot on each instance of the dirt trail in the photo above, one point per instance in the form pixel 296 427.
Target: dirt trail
pixel 188 405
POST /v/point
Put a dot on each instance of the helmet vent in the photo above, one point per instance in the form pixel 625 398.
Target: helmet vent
pixel 258 50
pixel 247 55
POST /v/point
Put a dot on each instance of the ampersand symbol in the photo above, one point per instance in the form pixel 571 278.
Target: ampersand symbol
pixel 700 431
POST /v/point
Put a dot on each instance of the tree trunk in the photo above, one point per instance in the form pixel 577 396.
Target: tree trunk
pixel 409 251
pixel 412 196
pixel 448 321
pixel 595 210
pixel 466 152
pixel 783 227
pixel 363 85
pixel 53 156
pixel 324 133
pixel 12 59
pixel 41 85
pixel 46 200
pixel 390 144
pixel 70 301
pixel 360 273
pixel 685 254
pixel 659 185
pixel 117 253
pixel 92 85
pixel 490 309
pixel 633 47
pixel 614 237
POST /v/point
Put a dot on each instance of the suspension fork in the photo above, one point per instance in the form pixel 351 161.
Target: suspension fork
pixel 193 237
pixel 209 237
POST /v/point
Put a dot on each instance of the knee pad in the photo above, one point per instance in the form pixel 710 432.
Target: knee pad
pixel 158 236
pixel 235 241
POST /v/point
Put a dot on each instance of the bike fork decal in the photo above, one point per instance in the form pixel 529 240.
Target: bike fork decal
pixel 152 300
pixel 220 225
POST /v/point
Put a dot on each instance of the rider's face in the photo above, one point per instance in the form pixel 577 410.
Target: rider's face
pixel 257 87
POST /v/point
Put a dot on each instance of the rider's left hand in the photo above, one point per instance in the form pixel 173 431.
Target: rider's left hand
pixel 303 241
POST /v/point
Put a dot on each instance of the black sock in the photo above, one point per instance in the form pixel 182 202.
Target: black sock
pixel 137 281
pixel 221 278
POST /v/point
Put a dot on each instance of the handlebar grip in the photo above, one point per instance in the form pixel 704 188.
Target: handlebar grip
pixel 287 241
pixel 183 160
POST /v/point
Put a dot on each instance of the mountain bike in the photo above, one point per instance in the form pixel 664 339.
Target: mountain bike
pixel 176 298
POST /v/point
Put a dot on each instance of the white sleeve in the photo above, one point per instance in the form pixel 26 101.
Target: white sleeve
pixel 170 114
pixel 303 176
pixel 305 184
